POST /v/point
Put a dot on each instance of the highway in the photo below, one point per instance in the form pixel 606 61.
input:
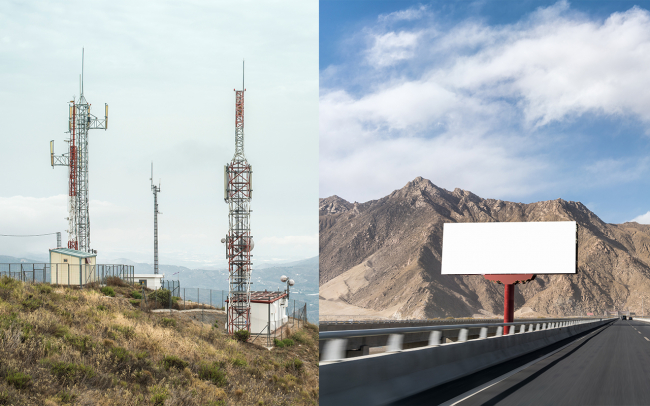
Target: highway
pixel 607 366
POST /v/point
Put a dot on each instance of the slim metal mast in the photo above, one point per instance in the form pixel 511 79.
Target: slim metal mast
pixel 155 189
pixel 79 122
pixel 239 242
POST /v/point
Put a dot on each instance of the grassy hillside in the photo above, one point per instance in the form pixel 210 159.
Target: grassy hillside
pixel 62 346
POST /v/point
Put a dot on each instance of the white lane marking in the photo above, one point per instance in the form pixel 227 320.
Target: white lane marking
pixel 646 338
pixel 493 382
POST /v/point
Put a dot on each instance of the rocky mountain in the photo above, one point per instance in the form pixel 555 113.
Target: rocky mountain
pixel 382 258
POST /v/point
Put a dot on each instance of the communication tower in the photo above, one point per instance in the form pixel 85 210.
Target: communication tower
pixel 238 191
pixel 79 122
pixel 155 189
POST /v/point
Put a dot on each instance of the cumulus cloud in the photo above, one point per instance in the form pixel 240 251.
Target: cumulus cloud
pixel 643 218
pixel 413 13
pixel 391 47
pixel 473 105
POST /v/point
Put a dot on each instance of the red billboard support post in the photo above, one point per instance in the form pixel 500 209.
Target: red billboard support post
pixel 509 281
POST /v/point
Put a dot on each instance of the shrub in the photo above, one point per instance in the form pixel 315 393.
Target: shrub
pixel 116 281
pixel 288 342
pixel 66 397
pixel 278 343
pixel 81 343
pixel 44 289
pixel 127 332
pixel 18 379
pixel 108 291
pixel 294 364
pixel 158 395
pixel 60 331
pixel 135 303
pixel 239 362
pixel 161 296
pixel 216 324
pixel 32 303
pixel 136 295
pixel 301 337
pixel 242 335
pixel 67 371
pixel 213 373
pixel 101 307
pixel 165 322
pixel 120 354
pixel 172 361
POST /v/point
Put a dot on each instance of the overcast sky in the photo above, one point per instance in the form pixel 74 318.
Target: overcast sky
pixel 167 69
pixel 514 100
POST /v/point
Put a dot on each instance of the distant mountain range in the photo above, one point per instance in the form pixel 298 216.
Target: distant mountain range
pixel 382 258
pixel 304 273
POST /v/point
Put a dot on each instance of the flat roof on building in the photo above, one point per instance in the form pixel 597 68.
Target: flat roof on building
pixel 73 253
pixel 148 275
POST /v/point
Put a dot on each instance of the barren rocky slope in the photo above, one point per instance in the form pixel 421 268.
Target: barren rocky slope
pixel 383 258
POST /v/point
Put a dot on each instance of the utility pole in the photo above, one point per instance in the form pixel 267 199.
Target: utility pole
pixel 155 189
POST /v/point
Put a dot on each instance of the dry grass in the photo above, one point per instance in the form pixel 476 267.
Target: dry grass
pixel 67 346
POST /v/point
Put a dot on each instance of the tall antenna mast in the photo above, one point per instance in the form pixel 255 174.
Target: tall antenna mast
pixel 79 122
pixel 238 191
pixel 156 190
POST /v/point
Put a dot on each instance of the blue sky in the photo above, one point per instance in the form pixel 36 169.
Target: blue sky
pixel 515 100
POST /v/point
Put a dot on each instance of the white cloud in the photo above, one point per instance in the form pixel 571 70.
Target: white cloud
pixel 643 218
pixel 413 13
pixel 391 48
pixel 472 105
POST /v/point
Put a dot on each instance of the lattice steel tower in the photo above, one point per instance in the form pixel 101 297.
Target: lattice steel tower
pixel 155 189
pixel 79 122
pixel 238 191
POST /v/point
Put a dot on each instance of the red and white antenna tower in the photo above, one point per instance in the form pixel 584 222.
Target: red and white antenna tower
pixel 238 191
pixel 79 122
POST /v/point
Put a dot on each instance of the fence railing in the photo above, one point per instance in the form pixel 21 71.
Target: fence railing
pixel 335 341
pixel 65 273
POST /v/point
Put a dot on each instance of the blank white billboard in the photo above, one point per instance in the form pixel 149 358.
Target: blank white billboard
pixel 510 248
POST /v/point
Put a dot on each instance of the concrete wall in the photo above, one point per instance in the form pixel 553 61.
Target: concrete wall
pixel 383 378
pixel 260 315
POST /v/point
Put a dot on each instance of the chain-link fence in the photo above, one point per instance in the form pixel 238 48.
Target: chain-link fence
pixel 66 274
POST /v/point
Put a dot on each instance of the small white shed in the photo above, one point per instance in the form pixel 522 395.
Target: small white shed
pixel 267 308
pixel 149 280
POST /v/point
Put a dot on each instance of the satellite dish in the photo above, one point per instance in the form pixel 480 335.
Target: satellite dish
pixel 283 278
pixel 291 282
pixel 223 240
pixel 251 244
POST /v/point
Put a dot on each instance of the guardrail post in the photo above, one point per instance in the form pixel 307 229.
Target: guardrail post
pixel 462 336
pixel 334 350
pixel 522 329
pixel 538 327
pixel 434 337
pixel 484 332
pixel 530 328
pixel 394 342
pixel 513 330
pixel 499 331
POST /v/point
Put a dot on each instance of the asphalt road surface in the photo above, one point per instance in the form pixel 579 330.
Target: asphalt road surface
pixel 608 366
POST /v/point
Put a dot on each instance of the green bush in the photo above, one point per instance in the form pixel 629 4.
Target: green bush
pixel 68 371
pixel 134 302
pixel 108 291
pixel 120 354
pixel 288 342
pixel 66 397
pixel 101 307
pixel 239 362
pixel 45 289
pixel 278 343
pixel 81 343
pixel 126 331
pixel 216 324
pixel 162 296
pixel 18 379
pixel 301 337
pixel 242 335
pixel 213 373
pixel 172 361
pixel 166 322
pixel 136 295
pixel 294 364
pixel 32 303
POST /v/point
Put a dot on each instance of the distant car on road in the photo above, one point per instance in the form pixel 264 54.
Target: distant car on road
pixel 623 317
pixel 630 318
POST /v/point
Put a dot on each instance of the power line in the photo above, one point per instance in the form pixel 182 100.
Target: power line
pixel 25 235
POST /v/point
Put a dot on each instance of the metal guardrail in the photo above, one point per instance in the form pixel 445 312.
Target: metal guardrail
pixel 335 341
